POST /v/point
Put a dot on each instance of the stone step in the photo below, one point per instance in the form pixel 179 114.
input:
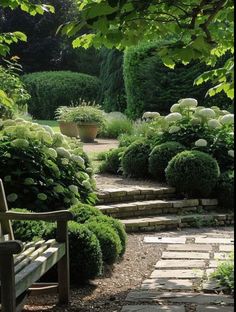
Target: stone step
pixel 110 195
pixel 166 222
pixel 157 207
pixel 152 308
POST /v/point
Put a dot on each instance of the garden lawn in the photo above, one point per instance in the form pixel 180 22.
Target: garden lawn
pixel 52 123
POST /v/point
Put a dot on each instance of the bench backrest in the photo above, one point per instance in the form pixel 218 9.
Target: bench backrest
pixel 6 232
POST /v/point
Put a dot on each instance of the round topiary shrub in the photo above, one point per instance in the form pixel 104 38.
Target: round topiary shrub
pixel 27 231
pixel 134 161
pixel 116 225
pixel 112 161
pixel 225 190
pixel 160 156
pixel 109 240
pixel 193 173
pixel 82 212
pixel 85 252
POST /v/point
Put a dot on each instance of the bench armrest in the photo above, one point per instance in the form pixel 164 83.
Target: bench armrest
pixel 62 215
pixel 10 247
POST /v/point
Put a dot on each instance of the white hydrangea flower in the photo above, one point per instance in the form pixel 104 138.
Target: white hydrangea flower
pixel 173 117
pixel 86 184
pixel 150 115
pixel 195 121
pixel 52 152
pixel 65 161
pixel 174 129
pixel 78 159
pixel 58 189
pixel 20 143
pixel 89 170
pixel 61 151
pixel 74 201
pixel 201 143
pixel 12 197
pixel 49 130
pixel 207 113
pixel 175 108
pixel 188 102
pixel 231 153
pixel 29 181
pixel 73 188
pixel 42 196
pixel 227 119
pixel 214 123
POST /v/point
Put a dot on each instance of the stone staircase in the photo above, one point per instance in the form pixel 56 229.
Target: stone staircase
pixel 159 208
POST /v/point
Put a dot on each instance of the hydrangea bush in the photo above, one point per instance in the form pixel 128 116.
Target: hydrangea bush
pixel 43 170
pixel 209 130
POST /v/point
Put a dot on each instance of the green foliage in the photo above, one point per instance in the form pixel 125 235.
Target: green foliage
pixel 115 126
pixel 42 170
pixel 112 161
pixel 27 231
pixel 14 96
pixel 160 157
pixel 112 92
pixel 190 30
pixel 151 86
pixel 84 249
pixel 52 89
pixel 193 173
pixel 116 225
pixel 225 190
pixel 134 161
pixel 225 273
pixel 82 213
pixel 109 240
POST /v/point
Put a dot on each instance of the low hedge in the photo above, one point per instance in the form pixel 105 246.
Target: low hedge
pixel 112 161
pixel 82 212
pixel 52 89
pixel 225 190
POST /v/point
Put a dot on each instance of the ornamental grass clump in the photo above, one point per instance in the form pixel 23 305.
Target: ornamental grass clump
pixel 193 173
pixel 42 170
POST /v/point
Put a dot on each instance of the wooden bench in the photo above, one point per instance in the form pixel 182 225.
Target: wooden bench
pixel 23 264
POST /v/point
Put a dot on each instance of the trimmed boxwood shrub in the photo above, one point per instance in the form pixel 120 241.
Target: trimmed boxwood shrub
pixel 112 162
pixel 160 156
pixel 27 231
pixel 193 173
pixel 225 190
pixel 82 212
pixel 52 89
pixel 85 251
pixel 151 86
pixel 109 240
pixel 117 226
pixel 134 161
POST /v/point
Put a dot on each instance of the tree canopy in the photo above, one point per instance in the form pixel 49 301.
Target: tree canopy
pixel 190 30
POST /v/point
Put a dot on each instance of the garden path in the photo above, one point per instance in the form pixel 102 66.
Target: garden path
pixel 179 282
pixel 100 145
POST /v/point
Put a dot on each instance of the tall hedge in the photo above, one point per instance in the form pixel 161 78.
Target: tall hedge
pixel 151 86
pixel 112 93
pixel 52 89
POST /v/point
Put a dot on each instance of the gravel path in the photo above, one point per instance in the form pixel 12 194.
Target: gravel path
pixel 108 294
pixel 100 145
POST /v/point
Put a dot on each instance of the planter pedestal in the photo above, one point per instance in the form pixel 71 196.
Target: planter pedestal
pixel 87 132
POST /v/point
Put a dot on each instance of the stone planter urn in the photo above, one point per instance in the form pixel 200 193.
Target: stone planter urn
pixel 69 129
pixel 87 131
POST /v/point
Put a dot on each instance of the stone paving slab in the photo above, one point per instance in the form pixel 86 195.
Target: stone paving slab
pixel 189 247
pixel 211 286
pixel 180 264
pixel 178 297
pixel 182 274
pixel 168 284
pixel 214 240
pixel 226 248
pixel 153 308
pixel 214 309
pixel 214 263
pixel 164 240
pixel 185 255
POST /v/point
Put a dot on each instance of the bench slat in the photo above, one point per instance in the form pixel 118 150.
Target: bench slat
pixel 26 277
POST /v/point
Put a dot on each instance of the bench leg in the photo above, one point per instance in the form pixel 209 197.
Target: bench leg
pixel 63 265
pixel 8 292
